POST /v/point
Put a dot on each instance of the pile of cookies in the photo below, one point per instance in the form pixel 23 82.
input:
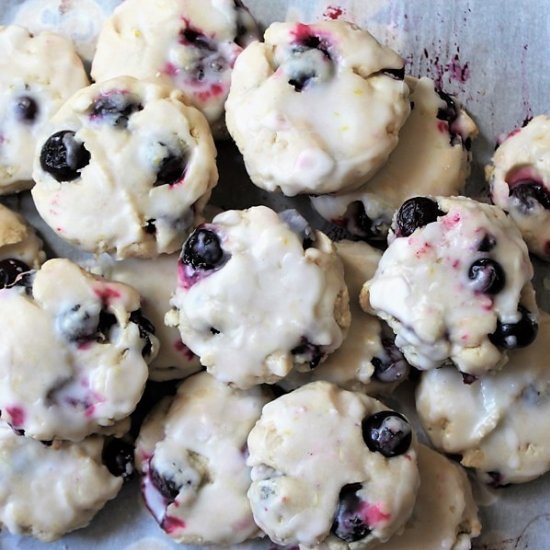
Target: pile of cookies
pixel 234 362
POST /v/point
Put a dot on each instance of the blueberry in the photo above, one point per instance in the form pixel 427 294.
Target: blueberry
pixel 487 243
pixel 487 275
pixel 349 525
pixel 302 78
pixel 529 195
pixel 468 379
pixel 62 156
pixel 146 329
pixel 416 212
pixel 392 366
pixel 196 38
pixel 171 169
pixel 516 335
pixel 150 226
pixel 309 60
pixel 361 225
pixel 202 250
pixel 81 325
pixel 118 457
pixel 168 488
pixel 26 109
pixel 116 107
pixel 10 269
pixel 450 114
pixel 299 225
pixel 387 432
pixel 309 353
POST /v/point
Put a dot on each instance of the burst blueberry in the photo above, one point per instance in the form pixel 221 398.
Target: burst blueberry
pixel 10 269
pixel 62 156
pixel 171 170
pixel 349 524
pixel 118 457
pixel 392 365
pixel 530 195
pixel 167 487
pixel 387 432
pixel 116 108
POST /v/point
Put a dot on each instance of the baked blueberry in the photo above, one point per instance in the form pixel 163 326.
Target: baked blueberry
pixel 118 457
pixel 349 524
pixel 529 195
pixel 309 353
pixel 171 169
pixel 202 250
pixel 414 213
pixel 116 108
pixel 26 109
pixel 167 487
pixel 516 335
pixel 309 59
pixel 392 366
pixel 387 432
pixel 146 329
pixel 10 269
pixel 487 276
pixel 194 37
pixel 63 157
pixel 487 243
pixel 360 224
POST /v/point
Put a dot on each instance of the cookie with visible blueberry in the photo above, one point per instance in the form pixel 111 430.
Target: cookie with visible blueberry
pixel 51 488
pixel 497 423
pixel 344 451
pixel 190 45
pixel 131 154
pixel 38 73
pixel 519 181
pixel 368 359
pixel 316 108
pixel 259 293
pixel 432 158
pixel 191 455
pixel 454 284
pixel 73 352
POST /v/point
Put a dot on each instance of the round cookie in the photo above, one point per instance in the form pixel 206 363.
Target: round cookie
pixel 329 465
pixel 49 490
pixel 316 108
pixel 20 248
pixel 519 182
pixel 258 294
pixel 155 280
pixel 432 158
pixel 73 352
pixel 192 458
pixel 454 284
pixel 498 423
pixel 37 74
pixel 367 360
pixel 131 154
pixel 187 44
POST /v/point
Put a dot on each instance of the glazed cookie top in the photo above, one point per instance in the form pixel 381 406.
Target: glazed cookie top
pixel 519 181
pixel 131 154
pixel 498 422
pixel 316 108
pixel 192 456
pixel 431 158
pixel 258 294
pixel 155 280
pixel 343 451
pixel 73 352
pixel 49 490
pixel 454 284
pixel 367 360
pixel 20 248
pixel 187 44
pixel 37 74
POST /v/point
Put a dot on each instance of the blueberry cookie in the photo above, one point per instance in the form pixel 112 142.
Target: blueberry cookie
pixel 155 280
pixel 187 44
pixel 445 514
pixel 519 181
pixel 367 360
pixel 329 465
pixel 498 423
pixel 258 294
pixel 316 108
pixel 73 352
pixel 48 489
pixel 131 154
pixel 454 284
pixel 20 248
pixel 192 458
pixel 432 158
pixel 37 74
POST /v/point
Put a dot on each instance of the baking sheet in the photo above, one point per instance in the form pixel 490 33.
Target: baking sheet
pixel 492 54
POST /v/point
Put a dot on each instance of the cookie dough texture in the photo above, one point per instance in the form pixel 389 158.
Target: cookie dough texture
pixel 305 448
pixel 72 354
pixel 316 108
pixel 49 490
pixel 519 182
pixel 190 45
pixel 423 290
pixel 273 303
pixel 432 158
pixel 37 75
pixel 197 447
pixel 150 171
pixel 497 423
